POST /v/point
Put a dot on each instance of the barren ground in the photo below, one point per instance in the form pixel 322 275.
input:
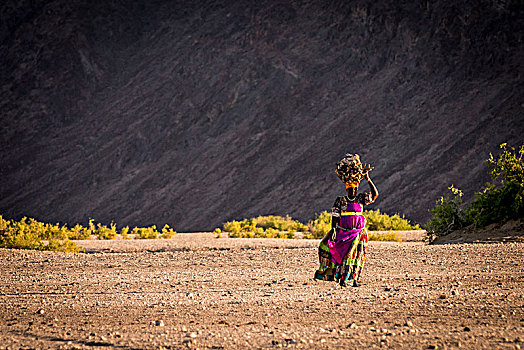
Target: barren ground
pixel 201 292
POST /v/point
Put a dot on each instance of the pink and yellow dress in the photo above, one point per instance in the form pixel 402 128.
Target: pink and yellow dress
pixel 342 257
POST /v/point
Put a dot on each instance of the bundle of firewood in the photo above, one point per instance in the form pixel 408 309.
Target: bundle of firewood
pixel 349 169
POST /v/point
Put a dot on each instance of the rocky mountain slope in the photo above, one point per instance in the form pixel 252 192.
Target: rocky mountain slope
pixel 192 113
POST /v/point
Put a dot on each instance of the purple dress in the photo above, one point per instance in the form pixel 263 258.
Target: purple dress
pixel 351 223
pixel 350 241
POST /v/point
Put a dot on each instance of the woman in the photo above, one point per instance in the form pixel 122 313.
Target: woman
pixel 342 251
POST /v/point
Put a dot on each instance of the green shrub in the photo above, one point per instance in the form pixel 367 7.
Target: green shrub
pixel 377 221
pixel 259 231
pixel 124 232
pixel 104 232
pixel 53 231
pixel 270 233
pixel 501 200
pixel 79 232
pixel 145 232
pixel 319 226
pixel 29 233
pixel 233 227
pixel 167 232
pixel 279 223
pixel 390 236
pixel 64 245
pixel 20 235
pixel 285 227
pixel 448 215
pixel 32 234
pixel 270 226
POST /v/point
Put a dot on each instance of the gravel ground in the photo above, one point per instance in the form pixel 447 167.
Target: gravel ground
pixel 196 291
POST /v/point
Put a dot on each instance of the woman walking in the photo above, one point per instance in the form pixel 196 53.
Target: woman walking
pixel 342 251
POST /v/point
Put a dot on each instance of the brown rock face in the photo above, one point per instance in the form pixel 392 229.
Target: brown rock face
pixel 195 113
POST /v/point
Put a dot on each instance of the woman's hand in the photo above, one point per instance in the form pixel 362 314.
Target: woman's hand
pixel 333 233
pixel 373 188
pixel 366 170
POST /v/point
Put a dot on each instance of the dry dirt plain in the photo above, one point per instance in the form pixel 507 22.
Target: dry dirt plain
pixel 196 291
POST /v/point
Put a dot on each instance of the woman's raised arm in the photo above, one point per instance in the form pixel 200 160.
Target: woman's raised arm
pixel 372 187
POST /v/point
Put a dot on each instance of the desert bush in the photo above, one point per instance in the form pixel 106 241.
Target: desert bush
pixel 285 227
pixel 125 232
pixel 448 215
pixel 233 227
pixel 145 232
pixel 501 200
pixel 29 233
pixel 53 231
pixel 377 221
pixel 279 223
pixel 79 232
pixel 20 235
pixel 64 245
pixel 319 226
pixel 32 234
pixel 274 233
pixel 270 226
pixel 104 232
pixel 390 236
pixel 167 232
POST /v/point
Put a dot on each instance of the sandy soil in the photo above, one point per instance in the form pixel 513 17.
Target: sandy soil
pixel 201 292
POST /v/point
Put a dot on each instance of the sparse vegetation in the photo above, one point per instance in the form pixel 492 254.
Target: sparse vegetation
pixel 104 232
pixel 145 232
pixel 280 223
pixel 79 232
pixel 167 232
pixel 280 227
pixel 390 236
pixel 319 226
pixel 377 221
pixel 152 233
pixel 32 234
pixel 501 200
pixel 271 226
pixel 29 233
pixel 125 232
pixel 448 215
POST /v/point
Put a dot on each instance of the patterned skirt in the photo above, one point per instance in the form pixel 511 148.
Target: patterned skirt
pixel 347 269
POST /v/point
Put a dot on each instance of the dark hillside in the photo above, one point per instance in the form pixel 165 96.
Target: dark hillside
pixel 196 112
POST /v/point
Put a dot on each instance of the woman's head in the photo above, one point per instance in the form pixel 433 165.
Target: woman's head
pixel 352 188
pixel 349 171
